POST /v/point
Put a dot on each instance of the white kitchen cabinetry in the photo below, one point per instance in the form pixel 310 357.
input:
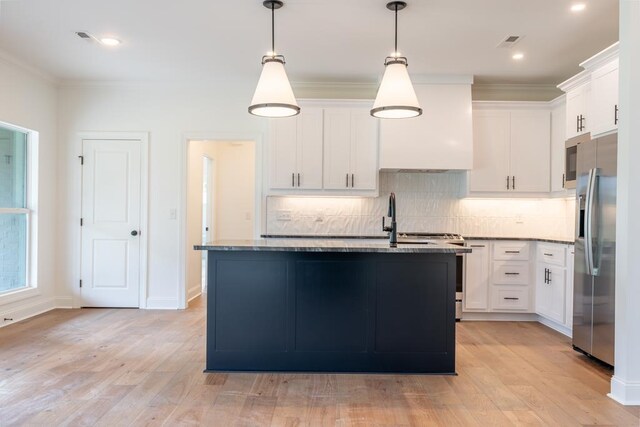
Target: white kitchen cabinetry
pixel 592 95
pixel 296 151
pixel 558 137
pixel 510 288
pixel 604 99
pixel 512 148
pixel 553 300
pixel 350 149
pixel 440 139
pixel 476 283
pixel 577 117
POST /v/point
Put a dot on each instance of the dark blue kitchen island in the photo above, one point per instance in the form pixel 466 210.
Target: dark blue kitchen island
pixel 330 306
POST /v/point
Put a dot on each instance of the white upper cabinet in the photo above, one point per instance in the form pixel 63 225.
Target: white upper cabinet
pixel 604 99
pixel 577 116
pixel 296 151
pixel 330 148
pixel 558 136
pixel 350 149
pixel 440 139
pixel 512 150
pixel 592 95
pixel 491 133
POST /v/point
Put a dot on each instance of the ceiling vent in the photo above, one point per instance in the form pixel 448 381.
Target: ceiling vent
pixel 509 42
pixel 85 36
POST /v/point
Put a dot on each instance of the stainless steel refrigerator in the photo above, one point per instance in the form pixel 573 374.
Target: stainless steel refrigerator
pixel 595 247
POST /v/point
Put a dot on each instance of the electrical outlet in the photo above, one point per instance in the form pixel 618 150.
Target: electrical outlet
pixel 283 215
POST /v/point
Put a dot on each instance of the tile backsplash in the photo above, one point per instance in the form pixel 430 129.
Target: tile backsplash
pixel 426 202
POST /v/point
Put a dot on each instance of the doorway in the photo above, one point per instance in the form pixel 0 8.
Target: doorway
pixel 112 248
pixel 220 200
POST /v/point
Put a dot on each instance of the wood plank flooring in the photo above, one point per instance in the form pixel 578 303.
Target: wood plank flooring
pixel 111 367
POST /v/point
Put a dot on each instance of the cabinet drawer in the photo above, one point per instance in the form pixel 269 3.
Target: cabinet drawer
pixel 517 251
pixel 507 298
pixel 510 273
pixel 552 254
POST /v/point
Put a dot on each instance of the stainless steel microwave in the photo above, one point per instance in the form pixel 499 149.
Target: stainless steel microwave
pixel 571 159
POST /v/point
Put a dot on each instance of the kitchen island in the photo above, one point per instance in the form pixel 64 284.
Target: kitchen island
pixel 330 306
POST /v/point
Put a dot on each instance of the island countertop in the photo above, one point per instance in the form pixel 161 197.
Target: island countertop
pixel 330 245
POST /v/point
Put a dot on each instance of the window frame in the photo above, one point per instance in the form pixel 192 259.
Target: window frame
pixel 30 212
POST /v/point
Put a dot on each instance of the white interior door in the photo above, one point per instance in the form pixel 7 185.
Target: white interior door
pixel 111 217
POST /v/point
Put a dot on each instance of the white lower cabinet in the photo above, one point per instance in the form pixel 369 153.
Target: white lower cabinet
pixel 476 290
pixel 498 277
pixel 554 283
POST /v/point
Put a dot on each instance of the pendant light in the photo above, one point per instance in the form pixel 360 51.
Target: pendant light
pixel 273 96
pixel 396 98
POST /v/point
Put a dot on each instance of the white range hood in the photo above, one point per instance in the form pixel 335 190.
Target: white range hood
pixel 438 140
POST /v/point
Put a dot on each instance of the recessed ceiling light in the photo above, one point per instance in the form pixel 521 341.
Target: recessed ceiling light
pixel 518 56
pixel 578 7
pixel 110 41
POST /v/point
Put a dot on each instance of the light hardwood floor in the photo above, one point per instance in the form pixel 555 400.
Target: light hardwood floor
pixel 136 367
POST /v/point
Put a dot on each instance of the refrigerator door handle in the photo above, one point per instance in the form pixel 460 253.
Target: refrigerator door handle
pixel 588 235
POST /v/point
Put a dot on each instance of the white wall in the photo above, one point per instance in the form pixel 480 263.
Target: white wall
pixel 169 113
pixel 625 385
pixel 428 202
pixel 234 198
pixel 29 99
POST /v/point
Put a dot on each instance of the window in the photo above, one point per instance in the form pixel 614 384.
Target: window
pixel 14 213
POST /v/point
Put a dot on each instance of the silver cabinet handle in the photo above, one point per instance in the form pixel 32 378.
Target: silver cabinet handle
pixel 293 179
pixel 352 181
pixel 298 179
pixel 477 246
pixel 511 274
pixel 513 182
pixel 546 254
pixel 347 181
pixel 508 182
pixel 511 252
pixel 512 298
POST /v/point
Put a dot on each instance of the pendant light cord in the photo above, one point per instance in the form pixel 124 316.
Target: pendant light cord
pixel 396 45
pixel 273 31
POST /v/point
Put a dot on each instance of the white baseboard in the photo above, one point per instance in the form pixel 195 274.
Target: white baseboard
pixel 625 392
pixel 193 293
pixel 162 304
pixel 500 317
pixel 26 310
pixel 64 302
pixel 555 326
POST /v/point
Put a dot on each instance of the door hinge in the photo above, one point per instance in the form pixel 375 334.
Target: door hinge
pixel 81 160
pixel 80 282
pixel 81 222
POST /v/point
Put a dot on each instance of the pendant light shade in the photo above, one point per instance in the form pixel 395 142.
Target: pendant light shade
pixel 396 98
pixel 273 96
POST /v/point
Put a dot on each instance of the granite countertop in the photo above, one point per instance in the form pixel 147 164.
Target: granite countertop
pixel 335 237
pixel 329 245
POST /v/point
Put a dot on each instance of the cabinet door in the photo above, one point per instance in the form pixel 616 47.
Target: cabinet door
pixel 558 126
pixel 543 291
pixel 337 148
pixel 491 136
pixel 476 283
pixel 577 108
pixel 283 141
pixel 557 291
pixel 309 152
pixel 530 151
pixel 364 150
pixel 604 99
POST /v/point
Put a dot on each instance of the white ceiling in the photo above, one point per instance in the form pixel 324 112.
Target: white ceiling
pixel 323 40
